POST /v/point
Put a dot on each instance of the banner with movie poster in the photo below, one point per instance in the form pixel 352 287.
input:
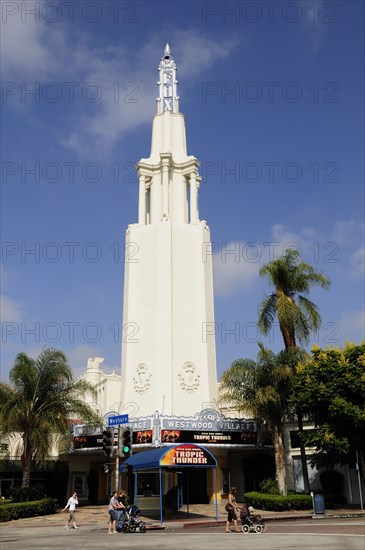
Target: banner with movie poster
pixel 188 455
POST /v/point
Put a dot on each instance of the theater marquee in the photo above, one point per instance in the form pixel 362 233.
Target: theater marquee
pixel 222 438
pixel 187 455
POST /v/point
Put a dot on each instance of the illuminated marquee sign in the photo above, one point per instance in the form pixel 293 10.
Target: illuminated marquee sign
pixel 222 438
pixel 187 455
pixel 90 441
pixel 142 437
pixel 208 420
pixel 87 441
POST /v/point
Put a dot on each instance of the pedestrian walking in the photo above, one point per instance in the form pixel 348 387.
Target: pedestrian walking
pixel 113 506
pixel 71 505
pixel 231 508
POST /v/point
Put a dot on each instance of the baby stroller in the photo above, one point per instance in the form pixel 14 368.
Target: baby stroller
pixel 250 522
pixel 131 522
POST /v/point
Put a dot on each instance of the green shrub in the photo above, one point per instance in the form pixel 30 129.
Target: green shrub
pixel 23 494
pixel 18 510
pixel 278 503
pixel 270 486
pixel 4 514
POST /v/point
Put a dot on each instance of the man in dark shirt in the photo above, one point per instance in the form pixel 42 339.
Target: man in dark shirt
pixel 122 499
pixel 122 505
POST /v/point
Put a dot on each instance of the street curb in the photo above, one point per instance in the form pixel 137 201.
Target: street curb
pixel 220 522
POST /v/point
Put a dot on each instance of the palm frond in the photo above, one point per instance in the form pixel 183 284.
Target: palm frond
pixel 311 312
pixel 267 313
pixel 297 315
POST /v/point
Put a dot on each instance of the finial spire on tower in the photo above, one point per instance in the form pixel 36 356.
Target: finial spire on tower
pixel 167 50
pixel 168 99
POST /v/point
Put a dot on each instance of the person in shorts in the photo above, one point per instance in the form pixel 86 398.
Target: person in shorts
pixel 113 506
pixel 71 505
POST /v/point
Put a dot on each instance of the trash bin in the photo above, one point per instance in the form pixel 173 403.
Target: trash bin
pixel 318 504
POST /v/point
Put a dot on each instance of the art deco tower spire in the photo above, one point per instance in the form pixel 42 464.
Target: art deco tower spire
pixel 169 363
pixel 168 99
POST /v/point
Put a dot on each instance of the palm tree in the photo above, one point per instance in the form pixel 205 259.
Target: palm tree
pixel 262 389
pixel 297 316
pixel 39 402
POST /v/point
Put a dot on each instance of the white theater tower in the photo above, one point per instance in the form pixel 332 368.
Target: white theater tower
pixel 168 365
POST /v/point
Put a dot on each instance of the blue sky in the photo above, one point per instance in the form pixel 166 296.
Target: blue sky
pixel 273 101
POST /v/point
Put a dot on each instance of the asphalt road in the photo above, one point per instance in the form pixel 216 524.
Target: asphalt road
pixel 336 534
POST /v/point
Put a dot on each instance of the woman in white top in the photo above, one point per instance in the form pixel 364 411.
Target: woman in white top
pixel 71 505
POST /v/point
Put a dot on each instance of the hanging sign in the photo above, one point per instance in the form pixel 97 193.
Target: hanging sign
pixel 188 455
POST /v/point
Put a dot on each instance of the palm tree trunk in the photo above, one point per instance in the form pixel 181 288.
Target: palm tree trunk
pixel 290 343
pixel 288 337
pixel 26 476
pixel 279 460
pixel 26 461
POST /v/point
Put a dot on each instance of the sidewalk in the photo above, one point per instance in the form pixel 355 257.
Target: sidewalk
pixel 200 515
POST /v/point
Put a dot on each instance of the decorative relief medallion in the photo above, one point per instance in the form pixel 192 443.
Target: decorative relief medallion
pixel 142 380
pixel 188 377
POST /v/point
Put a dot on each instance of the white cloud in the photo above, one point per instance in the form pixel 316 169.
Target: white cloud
pixel 11 310
pixel 357 264
pixel 136 76
pixel 288 239
pixel 338 252
pixel 352 326
pixel 313 23
pixel 25 49
pixel 345 231
pixel 77 357
pixel 123 80
pixel 236 264
pixel 235 267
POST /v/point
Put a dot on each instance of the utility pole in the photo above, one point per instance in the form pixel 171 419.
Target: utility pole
pixel 117 488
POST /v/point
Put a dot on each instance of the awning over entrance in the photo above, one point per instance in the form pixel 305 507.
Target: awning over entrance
pixel 172 457
pixel 176 456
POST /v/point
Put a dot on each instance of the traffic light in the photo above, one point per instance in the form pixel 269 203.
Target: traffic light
pixel 108 441
pixel 127 443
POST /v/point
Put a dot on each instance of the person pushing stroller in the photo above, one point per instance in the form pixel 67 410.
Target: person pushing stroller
pixel 231 508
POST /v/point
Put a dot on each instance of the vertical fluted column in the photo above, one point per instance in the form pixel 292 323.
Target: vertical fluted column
pixel 193 198
pixel 142 200
pixel 165 187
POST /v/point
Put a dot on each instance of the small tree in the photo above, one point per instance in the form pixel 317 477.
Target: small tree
pixel 39 402
pixel 262 389
pixel 330 388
